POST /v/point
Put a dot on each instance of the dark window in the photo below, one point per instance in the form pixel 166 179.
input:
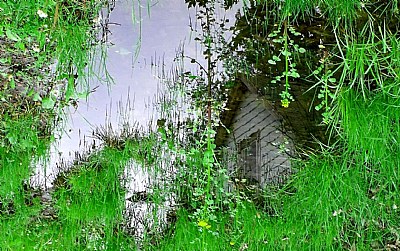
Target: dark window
pixel 249 158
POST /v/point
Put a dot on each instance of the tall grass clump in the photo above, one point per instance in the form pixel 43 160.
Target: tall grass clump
pixel 59 36
pixel 85 210
pixel 349 200
pixel 20 145
pixel 89 204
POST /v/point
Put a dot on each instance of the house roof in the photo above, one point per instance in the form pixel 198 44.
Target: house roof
pixel 298 119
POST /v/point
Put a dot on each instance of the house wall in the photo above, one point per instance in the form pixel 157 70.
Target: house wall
pixel 255 114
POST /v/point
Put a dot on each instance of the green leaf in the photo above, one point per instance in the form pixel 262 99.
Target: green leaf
pixel 20 45
pixel 163 133
pixel 171 145
pixel 70 88
pixel 12 83
pixel 270 61
pixel 302 50
pixel 12 36
pixel 210 202
pixel 12 139
pixel 208 158
pixel 332 80
pixel 294 74
pixel 286 53
pixel 26 144
pixel 277 40
pixel 48 103
pixel 30 93
pixel 36 97
pixel 275 58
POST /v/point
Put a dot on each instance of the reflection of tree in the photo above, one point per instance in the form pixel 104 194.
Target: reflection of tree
pixel 252 48
pixel 205 86
pixel 332 36
pixel 202 3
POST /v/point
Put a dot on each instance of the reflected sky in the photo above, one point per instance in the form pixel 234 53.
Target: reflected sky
pixel 155 33
pixel 152 35
pixel 135 85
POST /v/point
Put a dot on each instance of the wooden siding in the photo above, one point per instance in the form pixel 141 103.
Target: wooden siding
pixel 256 115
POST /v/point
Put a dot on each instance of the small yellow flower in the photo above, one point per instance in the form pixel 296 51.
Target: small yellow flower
pixel 202 223
pixel 232 243
pixel 285 103
pixel 42 14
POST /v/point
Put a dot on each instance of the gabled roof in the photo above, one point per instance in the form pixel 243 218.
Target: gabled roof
pixel 299 120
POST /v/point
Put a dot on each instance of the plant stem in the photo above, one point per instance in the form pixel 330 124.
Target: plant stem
pixel 285 35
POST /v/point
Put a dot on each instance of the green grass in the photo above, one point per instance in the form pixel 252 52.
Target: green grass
pixel 65 34
pixel 40 34
pixel 35 34
pixel 343 198
pixel 21 144
pixel 90 203
pixel 88 206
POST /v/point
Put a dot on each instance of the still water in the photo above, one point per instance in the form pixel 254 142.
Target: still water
pixel 141 38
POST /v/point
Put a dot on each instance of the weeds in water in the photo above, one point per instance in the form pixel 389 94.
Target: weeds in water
pixel 288 48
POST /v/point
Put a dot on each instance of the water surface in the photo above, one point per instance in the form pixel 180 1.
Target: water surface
pixel 137 45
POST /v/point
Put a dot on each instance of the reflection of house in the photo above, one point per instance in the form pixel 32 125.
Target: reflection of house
pixel 259 146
